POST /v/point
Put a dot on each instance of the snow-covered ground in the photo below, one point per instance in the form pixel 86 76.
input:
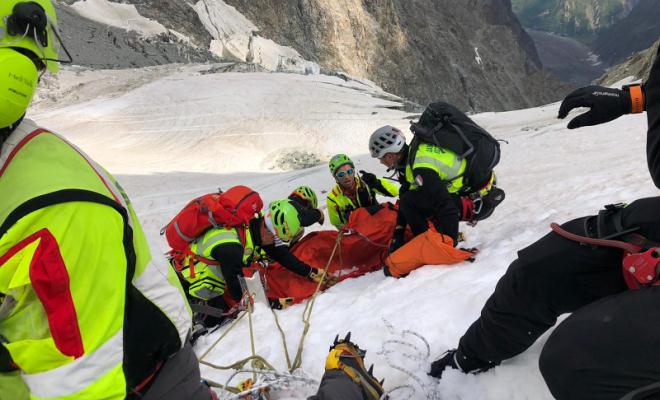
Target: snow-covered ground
pixel 172 133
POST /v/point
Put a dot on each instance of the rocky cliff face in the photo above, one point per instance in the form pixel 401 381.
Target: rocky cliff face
pixel 639 30
pixel 473 53
pixel 637 66
pixel 97 45
pixel 576 18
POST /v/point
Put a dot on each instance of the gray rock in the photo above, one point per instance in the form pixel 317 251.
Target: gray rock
pixel 423 50
pixel 638 65
pixel 100 46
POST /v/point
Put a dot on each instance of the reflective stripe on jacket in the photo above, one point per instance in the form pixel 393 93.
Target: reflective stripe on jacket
pixel 208 281
pixel 447 164
pixel 94 313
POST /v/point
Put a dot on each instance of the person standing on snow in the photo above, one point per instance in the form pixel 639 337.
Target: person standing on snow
pixel 608 347
pixel 352 192
pixel 430 186
pixel 85 312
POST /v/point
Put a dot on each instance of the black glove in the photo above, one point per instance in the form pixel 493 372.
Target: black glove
pixel 397 239
pixel 438 366
pixel 368 178
pixel 606 105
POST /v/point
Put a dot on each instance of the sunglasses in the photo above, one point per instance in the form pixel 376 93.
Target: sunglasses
pixel 341 174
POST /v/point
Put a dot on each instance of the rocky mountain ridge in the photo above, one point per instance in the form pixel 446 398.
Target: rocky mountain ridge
pixel 473 53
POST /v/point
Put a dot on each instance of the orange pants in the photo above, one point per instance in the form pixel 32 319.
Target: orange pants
pixel 428 248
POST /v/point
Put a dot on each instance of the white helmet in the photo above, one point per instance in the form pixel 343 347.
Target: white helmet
pixel 387 139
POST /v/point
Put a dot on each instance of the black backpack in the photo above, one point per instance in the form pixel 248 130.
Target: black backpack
pixel 446 126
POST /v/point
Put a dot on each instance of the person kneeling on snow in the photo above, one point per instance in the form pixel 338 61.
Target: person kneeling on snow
pixel 608 347
pixel 431 179
pixel 221 253
pixel 352 192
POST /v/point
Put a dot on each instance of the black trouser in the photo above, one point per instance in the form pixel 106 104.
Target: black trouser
pixel 551 277
pixel 336 385
pixel 417 209
pixel 607 349
pixel 179 379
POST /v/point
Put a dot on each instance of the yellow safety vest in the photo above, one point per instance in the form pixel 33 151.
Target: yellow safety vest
pixel 447 164
pixel 211 279
pixel 92 307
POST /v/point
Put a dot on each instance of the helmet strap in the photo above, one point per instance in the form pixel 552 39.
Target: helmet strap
pixel 5 132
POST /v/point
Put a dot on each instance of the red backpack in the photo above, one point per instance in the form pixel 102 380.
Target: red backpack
pixel 233 208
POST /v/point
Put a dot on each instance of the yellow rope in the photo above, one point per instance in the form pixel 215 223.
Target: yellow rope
pixel 239 364
pixel 254 352
pixel 259 362
pixel 283 337
pixel 233 324
pixel 307 313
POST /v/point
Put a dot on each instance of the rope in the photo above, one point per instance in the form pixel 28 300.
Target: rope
pixel 272 380
pixel 366 238
pixel 238 364
pixel 283 337
pixel 307 313
pixel 254 352
pixel 233 324
pixel 258 361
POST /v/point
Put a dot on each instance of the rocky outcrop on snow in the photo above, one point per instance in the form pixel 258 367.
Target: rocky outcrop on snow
pixel 102 45
pixel 635 67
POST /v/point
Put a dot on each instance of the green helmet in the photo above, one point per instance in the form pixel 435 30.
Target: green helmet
pixel 17 34
pixel 284 217
pixel 307 194
pixel 18 82
pixel 337 161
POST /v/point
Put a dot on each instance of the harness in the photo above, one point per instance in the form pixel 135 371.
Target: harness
pixel 641 256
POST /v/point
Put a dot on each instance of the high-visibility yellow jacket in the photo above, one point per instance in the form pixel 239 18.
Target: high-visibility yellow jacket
pixel 447 164
pixel 91 314
pixel 208 281
pixel 341 205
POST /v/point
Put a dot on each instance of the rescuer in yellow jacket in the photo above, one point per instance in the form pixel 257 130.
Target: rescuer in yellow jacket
pixel 351 191
pixel 85 312
pixel 431 179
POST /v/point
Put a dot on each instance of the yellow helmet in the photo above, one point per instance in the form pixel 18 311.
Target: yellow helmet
pixel 18 82
pixel 31 25
pixel 285 220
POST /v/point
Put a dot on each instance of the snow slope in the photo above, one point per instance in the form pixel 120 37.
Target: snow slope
pixel 174 133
